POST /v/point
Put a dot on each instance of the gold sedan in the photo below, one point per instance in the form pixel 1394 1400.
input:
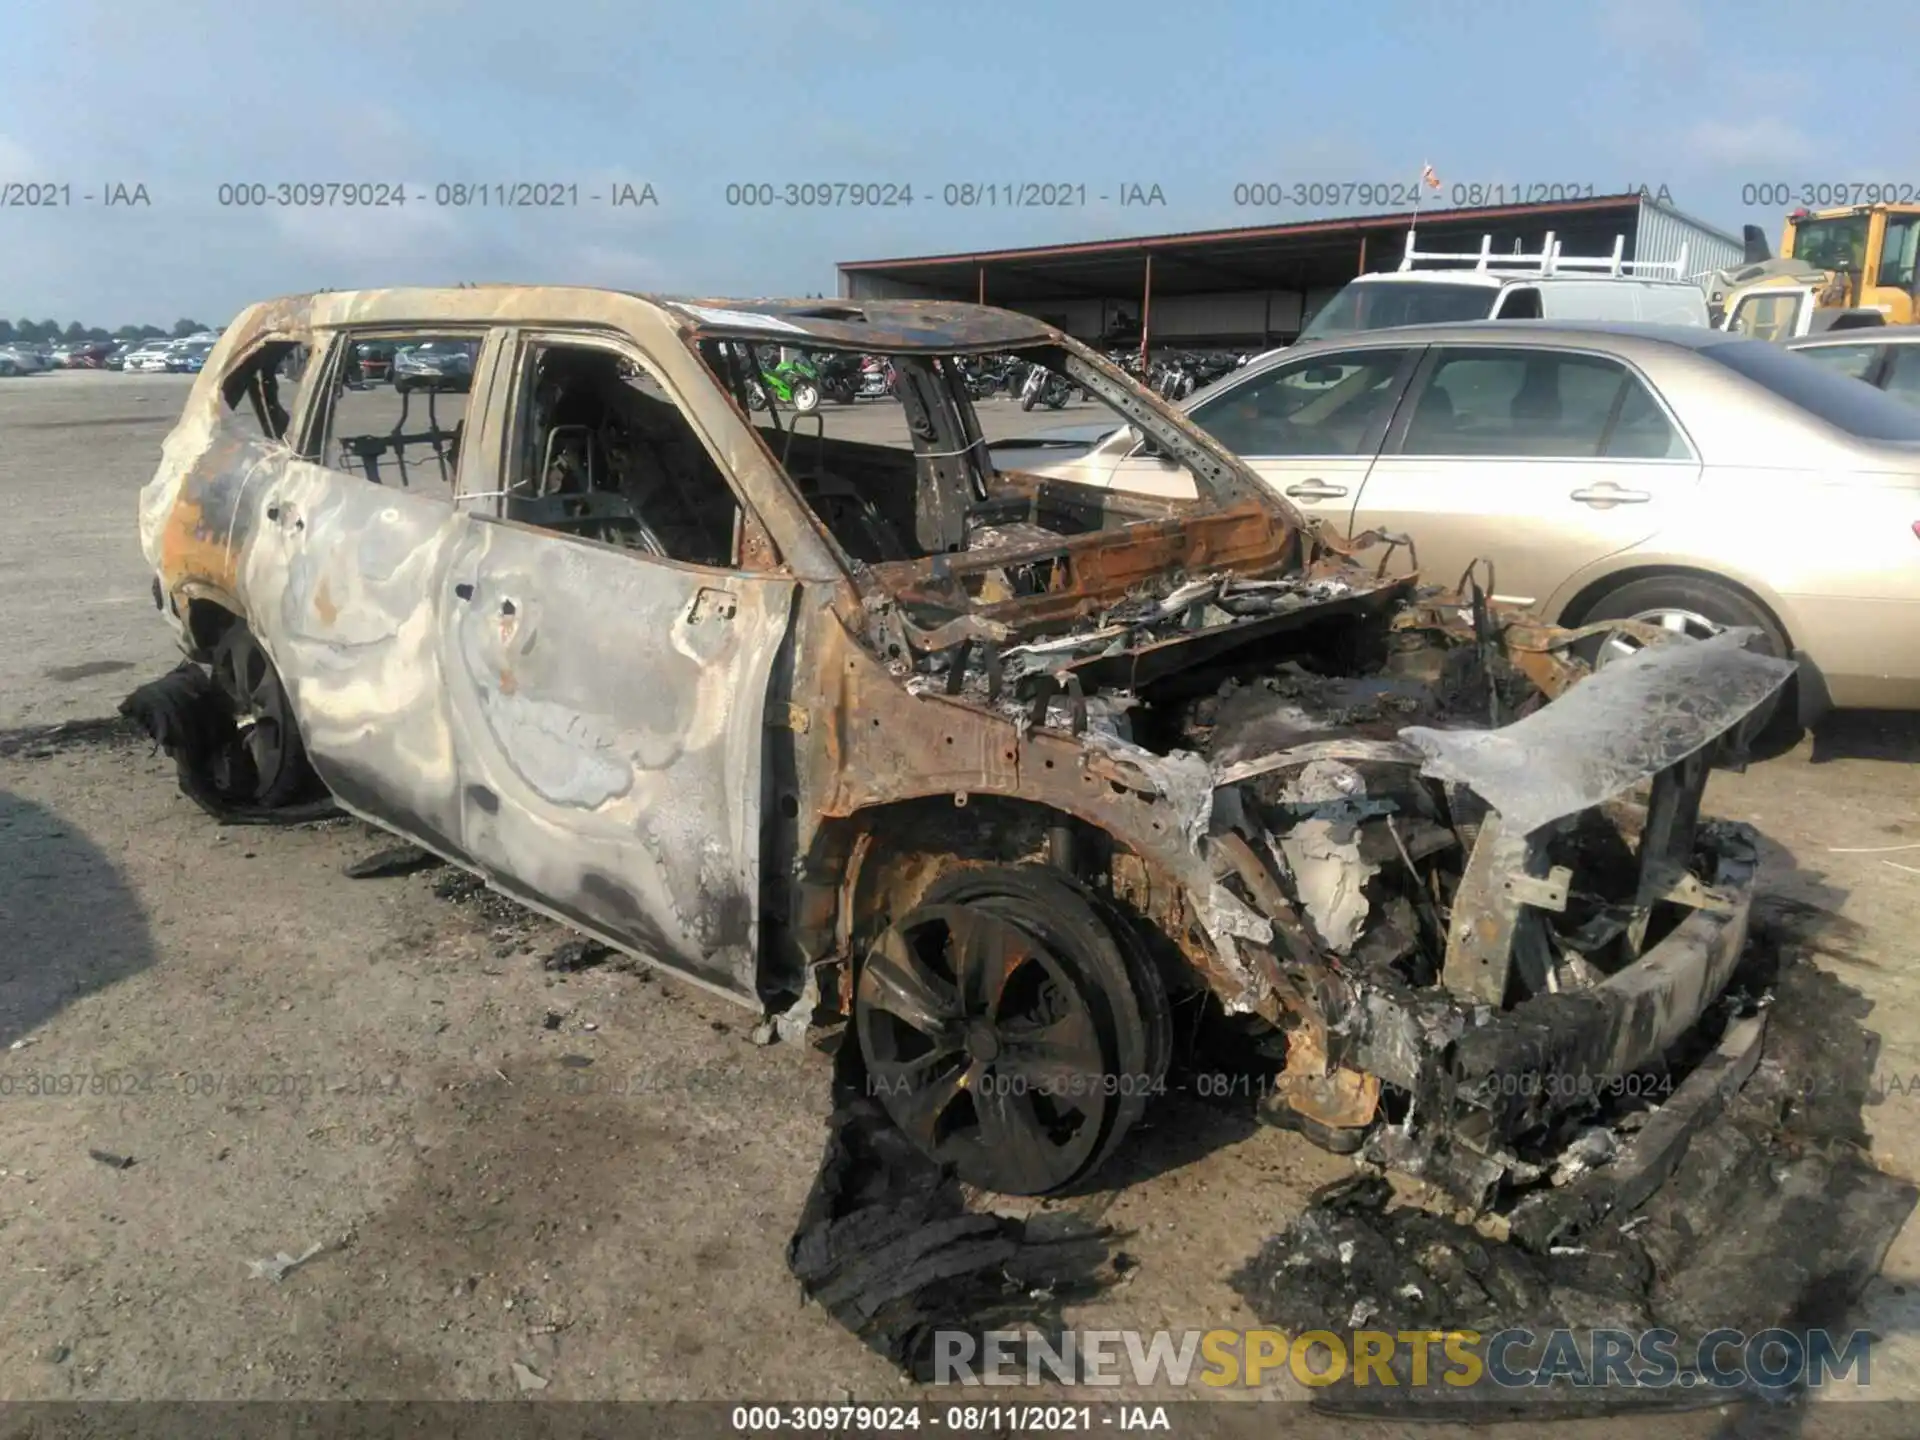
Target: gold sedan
pixel 1682 477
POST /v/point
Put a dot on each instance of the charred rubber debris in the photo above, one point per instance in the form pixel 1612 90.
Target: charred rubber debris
pixel 186 714
pixel 889 1247
pixel 1758 1207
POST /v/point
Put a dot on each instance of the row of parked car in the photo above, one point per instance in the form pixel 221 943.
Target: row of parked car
pixel 182 356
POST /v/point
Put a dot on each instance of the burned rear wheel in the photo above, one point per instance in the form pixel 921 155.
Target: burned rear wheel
pixel 1003 1029
pixel 266 765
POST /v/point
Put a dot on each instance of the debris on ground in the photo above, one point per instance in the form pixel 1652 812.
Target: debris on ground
pixel 581 954
pixel 462 887
pixel 392 862
pixel 527 1380
pixel 43 742
pixel 283 1264
pixel 1784 1155
pixel 887 1245
pixel 113 1161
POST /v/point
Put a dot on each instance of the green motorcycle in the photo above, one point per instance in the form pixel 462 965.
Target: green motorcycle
pixel 792 383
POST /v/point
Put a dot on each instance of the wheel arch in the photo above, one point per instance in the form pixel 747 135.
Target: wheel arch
pixel 207 616
pixel 1573 610
pixel 879 860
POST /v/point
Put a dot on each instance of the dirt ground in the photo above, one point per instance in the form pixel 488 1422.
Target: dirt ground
pixel 592 1175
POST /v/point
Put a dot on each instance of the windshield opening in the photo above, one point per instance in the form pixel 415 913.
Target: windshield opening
pixel 1381 304
pixel 1828 395
pixel 907 455
pixel 1836 244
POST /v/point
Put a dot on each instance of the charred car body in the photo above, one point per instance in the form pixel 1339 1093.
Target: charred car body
pixel 995 767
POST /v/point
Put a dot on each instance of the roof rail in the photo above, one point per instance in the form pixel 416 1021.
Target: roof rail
pixel 1549 261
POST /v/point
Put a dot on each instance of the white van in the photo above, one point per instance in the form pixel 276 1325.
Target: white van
pixel 1482 286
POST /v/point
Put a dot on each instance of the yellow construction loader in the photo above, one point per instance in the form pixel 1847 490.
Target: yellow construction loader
pixel 1838 269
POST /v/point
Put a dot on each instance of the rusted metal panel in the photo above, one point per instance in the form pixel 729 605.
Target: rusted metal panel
pixel 933 326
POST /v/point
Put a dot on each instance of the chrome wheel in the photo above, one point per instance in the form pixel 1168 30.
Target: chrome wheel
pixel 1677 622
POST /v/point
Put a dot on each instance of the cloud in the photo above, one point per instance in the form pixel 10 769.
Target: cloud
pixel 1661 32
pixel 1762 141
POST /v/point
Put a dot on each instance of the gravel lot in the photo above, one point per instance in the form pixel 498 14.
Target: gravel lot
pixel 292 1058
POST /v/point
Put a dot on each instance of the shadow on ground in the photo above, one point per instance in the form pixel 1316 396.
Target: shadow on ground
pixel 71 924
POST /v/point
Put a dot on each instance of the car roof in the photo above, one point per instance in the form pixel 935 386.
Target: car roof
pixel 1602 334
pixel 1864 335
pixel 933 326
pixel 1498 279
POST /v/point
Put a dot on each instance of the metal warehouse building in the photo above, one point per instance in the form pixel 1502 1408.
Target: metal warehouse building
pixel 1255 287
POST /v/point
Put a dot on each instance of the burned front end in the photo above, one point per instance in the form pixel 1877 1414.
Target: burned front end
pixel 1467 913
pixel 1504 927
pixel 1456 885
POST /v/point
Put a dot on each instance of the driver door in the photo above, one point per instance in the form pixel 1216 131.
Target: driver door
pixel 609 700
pixel 1309 425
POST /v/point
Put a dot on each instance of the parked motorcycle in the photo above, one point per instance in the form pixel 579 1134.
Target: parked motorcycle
pixel 1045 387
pixel 840 375
pixel 984 376
pixel 792 383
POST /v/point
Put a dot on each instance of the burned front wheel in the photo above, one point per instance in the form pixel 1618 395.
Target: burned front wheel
pixel 1008 1030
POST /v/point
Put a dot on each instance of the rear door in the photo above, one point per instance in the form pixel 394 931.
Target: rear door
pixel 1541 460
pixel 1864 362
pixel 343 580
pixel 1309 426
pixel 608 664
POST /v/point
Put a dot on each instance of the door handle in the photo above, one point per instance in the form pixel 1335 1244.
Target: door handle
pixel 1609 494
pixel 712 604
pixel 1316 490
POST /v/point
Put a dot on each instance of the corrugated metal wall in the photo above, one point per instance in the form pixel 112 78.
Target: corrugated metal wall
pixel 1662 231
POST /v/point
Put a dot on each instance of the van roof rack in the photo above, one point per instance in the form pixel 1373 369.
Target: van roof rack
pixel 1550 260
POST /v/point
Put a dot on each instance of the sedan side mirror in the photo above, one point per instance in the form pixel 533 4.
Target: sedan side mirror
pixel 1144 444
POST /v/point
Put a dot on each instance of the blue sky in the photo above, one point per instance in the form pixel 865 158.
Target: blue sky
pixel 181 96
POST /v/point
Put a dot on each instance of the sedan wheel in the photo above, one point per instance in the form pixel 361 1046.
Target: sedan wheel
pixel 1677 622
pixel 1688 605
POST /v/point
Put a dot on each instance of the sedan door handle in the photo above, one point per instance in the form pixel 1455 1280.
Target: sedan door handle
pixel 1608 494
pixel 1316 490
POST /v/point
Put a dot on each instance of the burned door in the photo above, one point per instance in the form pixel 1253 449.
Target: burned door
pixel 343 577
pixel 608 669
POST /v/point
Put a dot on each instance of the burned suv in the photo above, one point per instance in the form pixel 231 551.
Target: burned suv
pixel 846 724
